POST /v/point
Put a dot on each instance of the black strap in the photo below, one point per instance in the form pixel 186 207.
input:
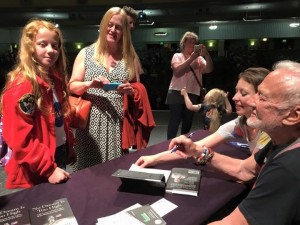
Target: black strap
pixel 196 76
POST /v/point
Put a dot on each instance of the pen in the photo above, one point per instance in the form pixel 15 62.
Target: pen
pixel 174 149
pixel 238 144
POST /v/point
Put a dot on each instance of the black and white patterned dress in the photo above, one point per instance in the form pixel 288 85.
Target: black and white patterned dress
pixel 101 139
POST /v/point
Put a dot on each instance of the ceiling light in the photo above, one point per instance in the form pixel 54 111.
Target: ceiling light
pixel 48 15
pixel 251 20
pixel 146 23
pixel 213 27
pixel 78 46
pixel 160 33
pixel 294 25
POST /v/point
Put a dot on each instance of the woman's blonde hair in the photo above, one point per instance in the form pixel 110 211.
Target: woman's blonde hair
pixel 185 37
pixel 27 66
pixel 217 99
pixel 128 52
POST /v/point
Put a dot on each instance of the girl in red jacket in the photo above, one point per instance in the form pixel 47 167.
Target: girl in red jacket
pixel 35 109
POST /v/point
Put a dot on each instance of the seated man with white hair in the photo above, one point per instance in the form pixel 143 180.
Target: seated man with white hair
pixel 274 198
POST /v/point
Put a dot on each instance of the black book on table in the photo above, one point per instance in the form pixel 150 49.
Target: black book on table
pixel 141 182
pixel 15 215
pixel 56 212
pixel 184 181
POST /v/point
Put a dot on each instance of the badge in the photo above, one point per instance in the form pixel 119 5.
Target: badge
pixel 27 104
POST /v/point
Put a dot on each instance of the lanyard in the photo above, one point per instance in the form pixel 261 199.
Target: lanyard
pixel 58 115
pixel 292 146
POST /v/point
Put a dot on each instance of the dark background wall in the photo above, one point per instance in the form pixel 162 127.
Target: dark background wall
pixel 238 56
pixel 230 57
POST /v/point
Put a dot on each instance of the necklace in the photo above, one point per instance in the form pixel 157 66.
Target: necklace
pixel 113 60
pixel 57 108
pixel 113 63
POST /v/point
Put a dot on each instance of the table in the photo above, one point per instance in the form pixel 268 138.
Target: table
pixel 93 192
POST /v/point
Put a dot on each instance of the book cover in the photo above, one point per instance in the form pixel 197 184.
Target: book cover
pixel 184 181
pixel 57 212
pixel 16 216
pixel 147 215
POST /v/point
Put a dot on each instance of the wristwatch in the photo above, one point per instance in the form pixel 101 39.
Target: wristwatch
pixel 205 156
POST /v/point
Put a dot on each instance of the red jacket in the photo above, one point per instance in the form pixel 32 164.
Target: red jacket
pixel 138 118
pixel 31 134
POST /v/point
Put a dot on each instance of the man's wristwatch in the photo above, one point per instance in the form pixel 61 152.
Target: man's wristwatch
pixel 205 156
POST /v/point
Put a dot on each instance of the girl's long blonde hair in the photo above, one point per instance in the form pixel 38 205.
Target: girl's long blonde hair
pixel 28 67
pixel 217 99
pixel 128 52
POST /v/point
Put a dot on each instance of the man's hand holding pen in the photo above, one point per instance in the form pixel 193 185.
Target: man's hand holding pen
pixel 185 145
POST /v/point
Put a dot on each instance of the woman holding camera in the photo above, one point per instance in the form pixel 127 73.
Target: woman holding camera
pixel 188 67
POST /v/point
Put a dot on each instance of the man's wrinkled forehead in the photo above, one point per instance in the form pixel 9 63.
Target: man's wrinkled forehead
pixel 279 80
pixel 273 79
pixel 278 76
pixel 287 76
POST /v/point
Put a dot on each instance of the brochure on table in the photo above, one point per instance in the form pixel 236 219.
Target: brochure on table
pixel 160 207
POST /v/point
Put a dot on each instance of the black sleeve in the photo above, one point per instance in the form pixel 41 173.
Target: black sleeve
pixel 262 154
pixel 274 198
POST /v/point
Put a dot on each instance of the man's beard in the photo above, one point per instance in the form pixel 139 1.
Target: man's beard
pixel 267 126
pixel 254 122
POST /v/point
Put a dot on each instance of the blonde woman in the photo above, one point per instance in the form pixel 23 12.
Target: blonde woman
pixel 35 109
pixel 214 106
pixel 111 58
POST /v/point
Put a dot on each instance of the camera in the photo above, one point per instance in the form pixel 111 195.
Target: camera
pixel 197 48
pixel 111 86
